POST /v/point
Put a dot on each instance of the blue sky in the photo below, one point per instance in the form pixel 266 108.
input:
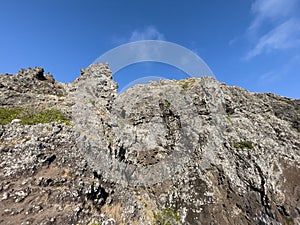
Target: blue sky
pixel 253 44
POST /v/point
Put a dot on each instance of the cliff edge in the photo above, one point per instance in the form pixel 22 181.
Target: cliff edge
pixel 192 151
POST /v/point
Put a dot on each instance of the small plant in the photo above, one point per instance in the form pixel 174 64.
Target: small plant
pixel 93 102
pixel 60 94
pixel 110 140
pixel 7 115
pixel 288 221
pixel 167 216
pixel 243 144
pixel 186 83
pixel 164 104
pixel 229 118
pixel 27 139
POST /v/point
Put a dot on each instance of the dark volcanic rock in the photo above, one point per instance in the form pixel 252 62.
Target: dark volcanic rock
pixel 171 152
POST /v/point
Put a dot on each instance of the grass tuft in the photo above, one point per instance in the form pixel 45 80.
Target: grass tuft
pixel 186 83
pixel 243 144
pixel 167 217
pixel 32 117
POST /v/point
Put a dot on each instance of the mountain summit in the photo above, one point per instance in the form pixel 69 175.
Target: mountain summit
pixel 192 151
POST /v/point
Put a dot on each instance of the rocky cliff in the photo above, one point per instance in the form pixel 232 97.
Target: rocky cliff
pixel 193 151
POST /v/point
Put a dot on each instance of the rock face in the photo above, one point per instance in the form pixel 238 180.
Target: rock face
pixel 193 151
pixel 19 88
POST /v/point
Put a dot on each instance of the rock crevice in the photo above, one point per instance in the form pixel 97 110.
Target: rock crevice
pixel 170 152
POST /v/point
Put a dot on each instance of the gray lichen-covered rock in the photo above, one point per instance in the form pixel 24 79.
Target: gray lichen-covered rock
pixel 28 85
pixel 193 151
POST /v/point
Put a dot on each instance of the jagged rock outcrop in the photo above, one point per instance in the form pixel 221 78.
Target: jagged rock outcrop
pixel 20 87
pixel 194 151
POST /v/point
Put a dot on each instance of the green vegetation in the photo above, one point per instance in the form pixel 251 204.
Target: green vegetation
pixel 110 140
pixel 289 221
pixel 32 117
pixel 243 144
pixel 229 118
pixel 165 103
pixel 46 116
pixel 60 94
pixel 93 102
pixel 27 139
pixel 186 83
pixel 7 115
pixel 167 217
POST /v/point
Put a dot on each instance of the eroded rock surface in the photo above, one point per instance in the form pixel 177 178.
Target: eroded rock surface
pixel 194 151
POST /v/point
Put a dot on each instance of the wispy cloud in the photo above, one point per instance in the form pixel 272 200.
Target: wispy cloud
pixel 149 33
pixel 233 41
pixel 271 11
pixel 284 36
pixel 279 21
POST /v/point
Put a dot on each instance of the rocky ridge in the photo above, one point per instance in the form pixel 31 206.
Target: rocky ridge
pixel 193 151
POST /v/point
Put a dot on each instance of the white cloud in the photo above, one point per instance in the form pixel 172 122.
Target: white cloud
pixel 141 51
pixel 272 10
pixel 270 77
pixel 279 24
pixel 284 36
pixel 149 33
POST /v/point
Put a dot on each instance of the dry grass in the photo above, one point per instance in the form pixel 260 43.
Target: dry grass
pixel 113 211
pixel 149 211
pixel 186 83
pixel 11 143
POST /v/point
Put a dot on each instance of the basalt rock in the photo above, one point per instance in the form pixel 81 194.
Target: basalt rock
pixel 193 151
